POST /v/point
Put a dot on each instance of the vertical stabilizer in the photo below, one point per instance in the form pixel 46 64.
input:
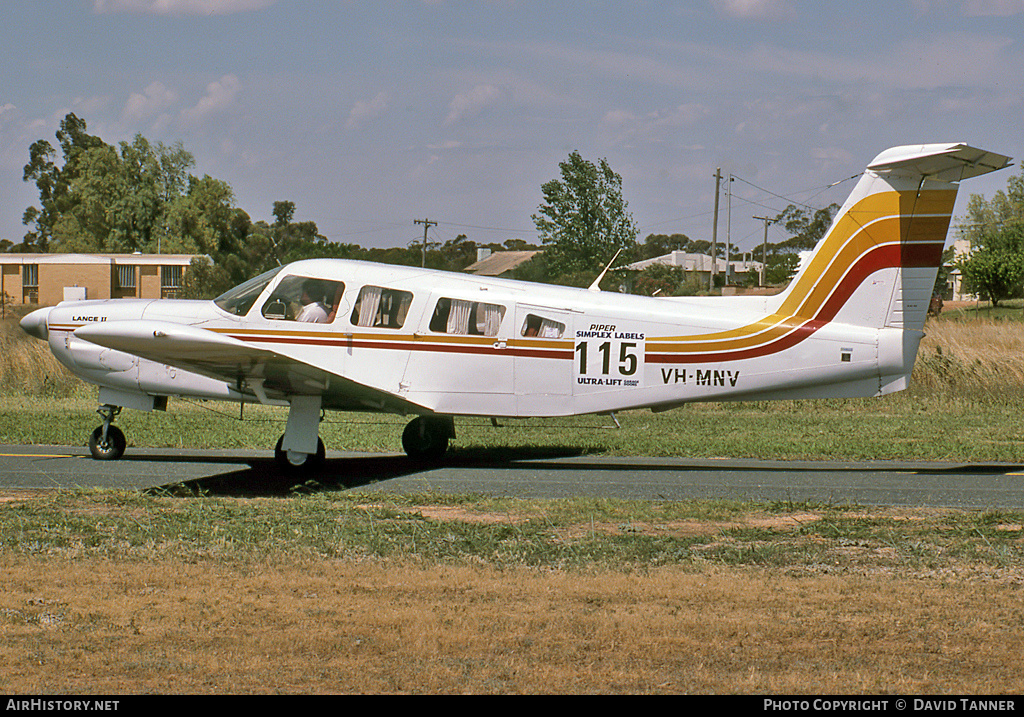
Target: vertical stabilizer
pixel 877 264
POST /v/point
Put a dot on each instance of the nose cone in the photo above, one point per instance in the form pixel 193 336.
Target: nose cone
pixel 35 323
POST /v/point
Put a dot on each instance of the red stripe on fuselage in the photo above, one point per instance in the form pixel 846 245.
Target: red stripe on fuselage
pixel 396 345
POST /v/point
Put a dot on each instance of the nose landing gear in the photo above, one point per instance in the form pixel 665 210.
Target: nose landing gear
pixel 107 442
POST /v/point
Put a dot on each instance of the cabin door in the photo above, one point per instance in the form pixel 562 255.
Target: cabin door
pixel 542 346
pixel 459 360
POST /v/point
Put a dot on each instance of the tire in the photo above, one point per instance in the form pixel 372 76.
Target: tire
pixel 311 462
pixel 425 439
pixel 112 448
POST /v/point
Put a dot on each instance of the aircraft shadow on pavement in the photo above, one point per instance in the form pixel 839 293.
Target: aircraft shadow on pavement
pixel 263 477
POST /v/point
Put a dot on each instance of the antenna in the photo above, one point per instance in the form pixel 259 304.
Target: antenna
pixel 595 286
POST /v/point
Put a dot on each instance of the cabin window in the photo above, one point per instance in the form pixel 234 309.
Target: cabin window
pixel 474 318
pixel 544 328
pixel 381 308
pixel 304 298
pixel 240 299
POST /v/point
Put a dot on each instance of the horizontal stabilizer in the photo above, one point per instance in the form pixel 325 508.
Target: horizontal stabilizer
pixel 946 162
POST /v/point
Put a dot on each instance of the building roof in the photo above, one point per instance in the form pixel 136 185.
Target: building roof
pixel 133 259
pixel 692 262
pixel 500 262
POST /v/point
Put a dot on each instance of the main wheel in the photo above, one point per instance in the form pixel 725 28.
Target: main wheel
pixel 426 438
pixel 294 461
pixel 110 449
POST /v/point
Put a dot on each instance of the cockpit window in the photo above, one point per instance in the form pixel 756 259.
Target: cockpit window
pixel 303 298
pixel 240 299
pixel 458 316
pixel 380 307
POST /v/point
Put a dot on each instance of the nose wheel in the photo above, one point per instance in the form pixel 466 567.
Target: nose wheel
pixel 107 442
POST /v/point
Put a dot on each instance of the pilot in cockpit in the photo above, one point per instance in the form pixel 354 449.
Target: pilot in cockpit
pixel 313 308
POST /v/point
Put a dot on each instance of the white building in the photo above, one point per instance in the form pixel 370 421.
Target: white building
pixel 954 281
pixel 700 264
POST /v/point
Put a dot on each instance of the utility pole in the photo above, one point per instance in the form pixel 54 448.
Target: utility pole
pixel 728 230
pixel 714 234
pixel 764 249
pixel 426 226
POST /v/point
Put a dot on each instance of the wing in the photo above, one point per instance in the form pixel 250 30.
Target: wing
pixel 239 364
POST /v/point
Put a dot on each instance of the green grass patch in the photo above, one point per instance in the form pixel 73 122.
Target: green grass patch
pixel 556 534
pixel 897 427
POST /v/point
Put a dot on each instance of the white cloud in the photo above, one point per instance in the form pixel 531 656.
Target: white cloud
pixel 754 9
pixel 220 96
pixel 181 7
pixel 653 127
pixel 471 103
pixel 366 110
pixel 152 101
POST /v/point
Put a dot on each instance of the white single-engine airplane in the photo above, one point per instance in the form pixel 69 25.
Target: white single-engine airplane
pixel 334 334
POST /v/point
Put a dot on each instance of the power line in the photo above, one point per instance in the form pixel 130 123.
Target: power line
pixel 789 199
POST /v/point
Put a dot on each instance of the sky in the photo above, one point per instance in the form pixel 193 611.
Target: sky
pixel 371 115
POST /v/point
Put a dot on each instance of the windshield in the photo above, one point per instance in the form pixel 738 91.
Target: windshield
pixel 239 300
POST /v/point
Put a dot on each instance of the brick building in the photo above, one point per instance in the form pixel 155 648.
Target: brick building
pixel 48 279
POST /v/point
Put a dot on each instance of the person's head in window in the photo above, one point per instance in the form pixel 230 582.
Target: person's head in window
pixel 313 307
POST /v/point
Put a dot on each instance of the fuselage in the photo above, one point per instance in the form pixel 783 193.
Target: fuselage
pixel 447 343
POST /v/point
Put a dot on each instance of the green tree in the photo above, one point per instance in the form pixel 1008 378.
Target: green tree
pixel 583 219
pixel 807 226
pixel 136 197
pixel 55 182
pixel 661 244
pixel 994 266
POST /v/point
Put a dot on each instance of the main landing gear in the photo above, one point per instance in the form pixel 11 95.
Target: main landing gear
pixel 107 442
pixel 297 461
pixel 426 438
pixel 300 449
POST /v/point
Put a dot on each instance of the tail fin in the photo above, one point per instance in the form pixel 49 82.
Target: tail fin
pixel 876 265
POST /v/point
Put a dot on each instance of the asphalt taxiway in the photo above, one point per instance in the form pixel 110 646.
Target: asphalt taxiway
pixel 527 474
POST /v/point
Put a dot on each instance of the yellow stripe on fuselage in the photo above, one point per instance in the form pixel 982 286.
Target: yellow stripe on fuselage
pixel 876 220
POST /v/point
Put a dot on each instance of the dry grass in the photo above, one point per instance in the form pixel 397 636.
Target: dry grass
pixel 342 627
pixel 27 365
pixel 854 601
pixel 980 359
